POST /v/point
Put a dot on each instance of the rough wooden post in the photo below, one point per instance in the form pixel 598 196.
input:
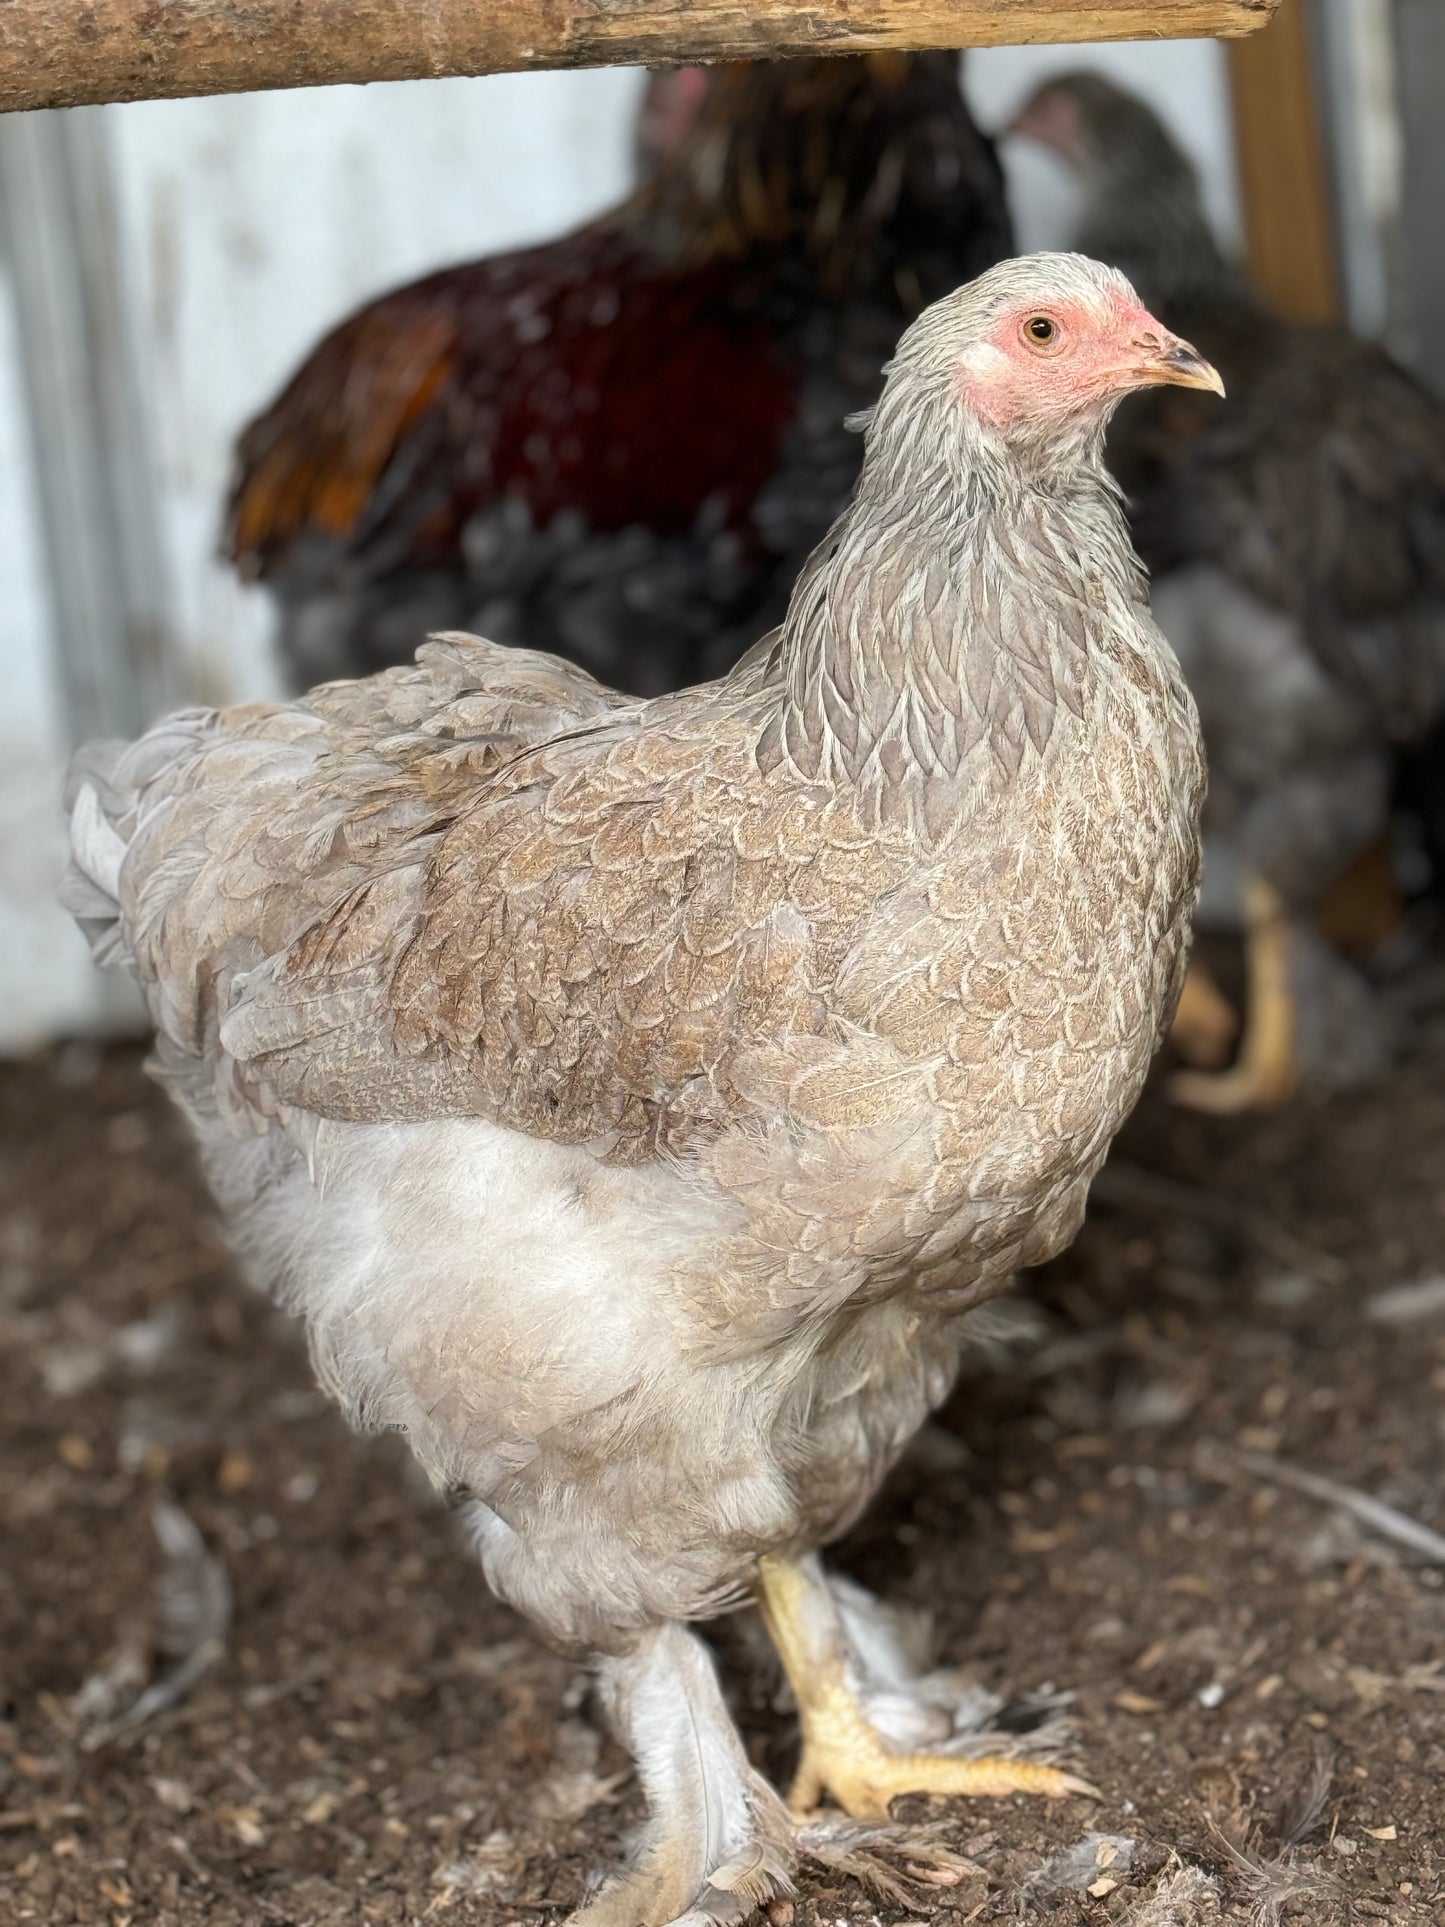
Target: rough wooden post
pixel 1283 178
pixel 62 53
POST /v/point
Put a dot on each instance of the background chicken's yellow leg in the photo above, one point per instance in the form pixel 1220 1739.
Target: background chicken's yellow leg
pixel 1206 1023
pixel 843 1753
pixel 1266 1074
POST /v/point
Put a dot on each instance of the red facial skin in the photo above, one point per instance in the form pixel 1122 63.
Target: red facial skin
pixel 1092 356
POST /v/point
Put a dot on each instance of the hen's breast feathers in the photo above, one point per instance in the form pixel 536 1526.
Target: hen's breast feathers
pixel 586 374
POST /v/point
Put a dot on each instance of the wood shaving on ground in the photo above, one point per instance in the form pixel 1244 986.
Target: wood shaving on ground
pixel 193 1617
pixel 1408 1304
pixel 1387 1520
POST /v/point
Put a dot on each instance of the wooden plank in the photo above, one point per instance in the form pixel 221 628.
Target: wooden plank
pixel 1283 178
pixel 62 53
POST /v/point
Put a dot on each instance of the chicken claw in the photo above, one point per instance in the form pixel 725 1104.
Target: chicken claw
pixel 844 1758
pixel 844 1754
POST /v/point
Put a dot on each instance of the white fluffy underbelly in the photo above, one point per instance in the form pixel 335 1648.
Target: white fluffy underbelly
pixel 471 1285
pixel 529 1318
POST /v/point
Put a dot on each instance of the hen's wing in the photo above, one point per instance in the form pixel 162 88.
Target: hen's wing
pixel 596 952
pixel 1319 486
pixel 223 834
pixel 488 888
pixel 582 375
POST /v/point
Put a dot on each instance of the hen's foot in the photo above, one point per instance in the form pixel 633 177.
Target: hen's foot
pixel 718 1840
pixel 845 1755
pixel 850 1762
pixel 1266 1074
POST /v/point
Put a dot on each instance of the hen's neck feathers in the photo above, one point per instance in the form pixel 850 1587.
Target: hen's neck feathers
pixel 937 635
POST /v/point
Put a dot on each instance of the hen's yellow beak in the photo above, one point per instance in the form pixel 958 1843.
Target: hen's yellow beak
pixel 1164 358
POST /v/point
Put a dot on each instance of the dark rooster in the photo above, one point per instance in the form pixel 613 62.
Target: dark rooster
pixel 621 446
pixel 1296 536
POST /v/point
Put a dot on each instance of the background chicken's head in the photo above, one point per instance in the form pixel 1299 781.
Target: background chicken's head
pixel 867 168
pixel 1141 208
pixel 1094 124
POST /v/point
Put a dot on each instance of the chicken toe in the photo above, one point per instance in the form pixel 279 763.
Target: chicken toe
pixel 846 1670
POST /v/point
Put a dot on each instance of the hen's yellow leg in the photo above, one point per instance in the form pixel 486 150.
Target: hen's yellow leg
pixel 843 1754
pixel 1265 1074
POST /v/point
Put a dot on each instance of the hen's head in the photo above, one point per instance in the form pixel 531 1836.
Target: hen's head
pixel 672 102
pixel 1026 365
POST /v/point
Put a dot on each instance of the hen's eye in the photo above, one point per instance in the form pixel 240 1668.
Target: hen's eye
pixel 1041 331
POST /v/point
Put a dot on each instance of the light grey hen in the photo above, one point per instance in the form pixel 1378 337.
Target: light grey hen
pixel 1296 536
pixel 634 1097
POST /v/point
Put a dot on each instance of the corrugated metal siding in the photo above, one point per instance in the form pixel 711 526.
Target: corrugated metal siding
pixel 47 984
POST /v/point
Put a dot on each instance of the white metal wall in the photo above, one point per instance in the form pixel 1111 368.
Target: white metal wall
pixel 259 220
pixel 248 225
pixel 46 983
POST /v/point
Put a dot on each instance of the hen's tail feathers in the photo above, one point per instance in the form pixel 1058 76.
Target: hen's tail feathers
pixel 103 791
pixel 90 889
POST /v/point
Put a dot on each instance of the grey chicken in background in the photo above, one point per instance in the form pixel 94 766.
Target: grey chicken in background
pixel 635 1097
pixel 622 445
pixel 1295 533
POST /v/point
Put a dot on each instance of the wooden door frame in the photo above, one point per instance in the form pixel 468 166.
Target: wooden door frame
pixel 1284 177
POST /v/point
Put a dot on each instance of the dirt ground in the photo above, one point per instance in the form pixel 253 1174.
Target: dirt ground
pixel 1258 1676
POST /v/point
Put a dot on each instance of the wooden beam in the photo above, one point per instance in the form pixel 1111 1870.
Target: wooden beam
pixel 1283 178
pixel 64 53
